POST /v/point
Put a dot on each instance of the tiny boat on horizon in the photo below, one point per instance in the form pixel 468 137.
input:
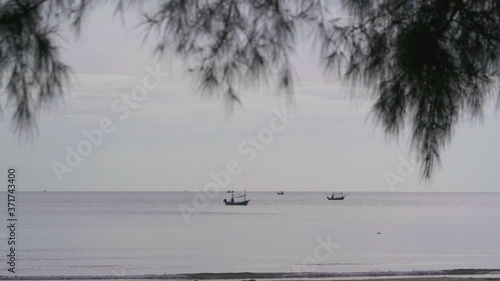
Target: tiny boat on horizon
pixel 230 191
pixel 334 196
pixel 280 193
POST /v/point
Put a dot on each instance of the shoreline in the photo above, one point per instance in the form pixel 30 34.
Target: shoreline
pixel 379 278
pixel 428 275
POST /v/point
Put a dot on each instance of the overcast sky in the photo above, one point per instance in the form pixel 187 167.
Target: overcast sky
pixel 173 139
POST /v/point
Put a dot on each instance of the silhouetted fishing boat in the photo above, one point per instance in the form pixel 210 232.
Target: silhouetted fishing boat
pixel 280 193
pixel 230 191
pixel 334 196
pixel 232 202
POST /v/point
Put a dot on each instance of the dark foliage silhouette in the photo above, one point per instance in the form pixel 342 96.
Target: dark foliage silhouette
pixel 429 64
pixel 32 72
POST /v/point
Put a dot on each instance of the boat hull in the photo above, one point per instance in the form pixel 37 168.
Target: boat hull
pixel 241 203
pixel 335 198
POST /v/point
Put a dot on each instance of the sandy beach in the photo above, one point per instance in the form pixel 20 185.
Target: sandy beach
pixel 399 278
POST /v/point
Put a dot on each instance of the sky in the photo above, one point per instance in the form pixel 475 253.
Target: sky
pixel 171 138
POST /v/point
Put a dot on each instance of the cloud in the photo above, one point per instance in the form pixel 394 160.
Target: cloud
pixel 173 107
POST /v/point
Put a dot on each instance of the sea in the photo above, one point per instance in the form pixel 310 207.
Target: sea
pixel 132 234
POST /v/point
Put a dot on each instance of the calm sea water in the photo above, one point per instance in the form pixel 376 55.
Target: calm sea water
pixel 99 233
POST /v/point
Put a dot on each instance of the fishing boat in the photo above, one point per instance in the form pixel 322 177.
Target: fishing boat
pixel 230 191
pixel 338 196
pixel 280 193
pixel 232 202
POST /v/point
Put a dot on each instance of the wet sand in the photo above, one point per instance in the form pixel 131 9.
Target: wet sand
pixel 412 279
pixel 433 279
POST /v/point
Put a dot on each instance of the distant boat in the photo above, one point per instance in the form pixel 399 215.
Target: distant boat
pixel 230 191
pixel 232 202
pixel 280 193
pixel 334 196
